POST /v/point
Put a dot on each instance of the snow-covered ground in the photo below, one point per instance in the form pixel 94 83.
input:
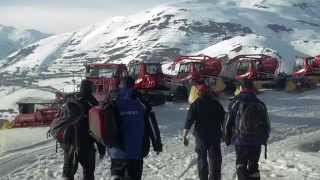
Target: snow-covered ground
pixel 13 140
pixel 293 152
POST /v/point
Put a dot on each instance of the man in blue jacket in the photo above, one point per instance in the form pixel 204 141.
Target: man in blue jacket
pixel 136 130
pixel 247 127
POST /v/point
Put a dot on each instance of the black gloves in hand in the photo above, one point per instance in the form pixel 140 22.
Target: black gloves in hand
pixel 158 148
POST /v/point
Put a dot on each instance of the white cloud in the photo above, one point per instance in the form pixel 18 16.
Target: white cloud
pixel 57 16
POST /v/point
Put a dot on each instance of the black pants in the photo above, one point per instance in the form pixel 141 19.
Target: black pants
pixel 247 162
pixel 211 152
pixel 129 169
pixel 85 156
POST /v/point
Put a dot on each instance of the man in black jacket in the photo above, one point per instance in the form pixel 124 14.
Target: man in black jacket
pixel 247 130
pixel 82 150
pixel 207 115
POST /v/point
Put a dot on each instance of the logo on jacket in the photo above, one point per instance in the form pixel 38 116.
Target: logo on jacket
pixel 128 113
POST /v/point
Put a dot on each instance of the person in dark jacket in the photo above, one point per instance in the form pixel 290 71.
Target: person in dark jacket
pixel 137 126
pixel 207 115
pixel 248 147
pixel 83 150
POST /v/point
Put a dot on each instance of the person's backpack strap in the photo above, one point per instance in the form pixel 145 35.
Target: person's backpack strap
pixel 230 121
pixel 239 108
pixel 155 133
pixel 265 151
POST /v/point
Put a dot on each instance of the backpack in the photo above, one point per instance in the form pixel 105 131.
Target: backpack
pixel 253 120
pixel 103 124
pixel 64 127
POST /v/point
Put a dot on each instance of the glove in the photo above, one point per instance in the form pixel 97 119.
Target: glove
pixel 158 149
pixel 101 150
pixel 185 141
pixel 101 156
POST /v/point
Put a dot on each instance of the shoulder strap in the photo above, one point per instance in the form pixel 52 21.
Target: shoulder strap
pixel 265 151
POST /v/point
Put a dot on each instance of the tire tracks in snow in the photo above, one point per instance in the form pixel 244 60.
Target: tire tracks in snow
pixel 18 159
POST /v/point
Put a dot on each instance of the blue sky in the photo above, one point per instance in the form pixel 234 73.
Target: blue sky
pixel 57 16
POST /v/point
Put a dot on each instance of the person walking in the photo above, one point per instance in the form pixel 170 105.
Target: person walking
pixel 82 149
pixel 137 127
pixel 207 115
pixel 247 127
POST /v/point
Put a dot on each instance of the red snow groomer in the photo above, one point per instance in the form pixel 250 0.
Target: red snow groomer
pixel 35 113
pixel 307 74
pixel 194 68
pixel 311 68
pixel 106 78
pixel 150 80
pixel 261 69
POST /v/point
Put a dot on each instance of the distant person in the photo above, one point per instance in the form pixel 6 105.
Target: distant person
pixel 207 115
pixel 71 129
pixel 137 126
pixel 247 127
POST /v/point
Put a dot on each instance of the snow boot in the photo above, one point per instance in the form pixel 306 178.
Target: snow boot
pixel 67 178
pixel 115 177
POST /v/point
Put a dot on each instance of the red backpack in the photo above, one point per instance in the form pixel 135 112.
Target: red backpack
pixel 103 124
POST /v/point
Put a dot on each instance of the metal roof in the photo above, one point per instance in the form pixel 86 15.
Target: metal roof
pixel 32 100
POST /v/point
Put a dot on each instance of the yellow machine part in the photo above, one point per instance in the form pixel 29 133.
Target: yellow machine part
pixel 315 79
pixel 238 90
pixel 291 86
pixel 258 85
pixel 7 125
pixel 219 85
pixel 193 94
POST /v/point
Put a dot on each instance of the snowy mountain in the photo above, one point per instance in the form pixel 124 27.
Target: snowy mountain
pixel 287 28
pixel 12 39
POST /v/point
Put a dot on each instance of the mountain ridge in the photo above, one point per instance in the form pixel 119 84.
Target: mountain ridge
pixel 12 39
